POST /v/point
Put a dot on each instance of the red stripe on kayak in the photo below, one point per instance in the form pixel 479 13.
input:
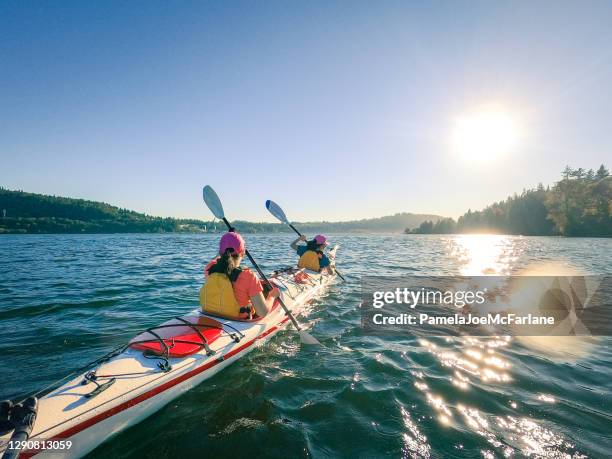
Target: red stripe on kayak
pixel 152 393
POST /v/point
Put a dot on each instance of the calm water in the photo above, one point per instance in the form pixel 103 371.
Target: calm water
pixel 65 300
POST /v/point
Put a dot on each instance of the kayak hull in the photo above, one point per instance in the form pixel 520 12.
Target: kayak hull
pixel 99 431
pixel 142 384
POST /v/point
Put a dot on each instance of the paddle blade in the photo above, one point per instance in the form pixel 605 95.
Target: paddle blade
pixel 275 210
pixel 307 338
pixel 213 202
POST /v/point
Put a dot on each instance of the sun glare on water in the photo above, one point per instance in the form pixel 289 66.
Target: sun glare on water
pixel 484 135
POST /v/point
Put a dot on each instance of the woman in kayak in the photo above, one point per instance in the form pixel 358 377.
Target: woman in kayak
pixel 231 291
pixel 311 254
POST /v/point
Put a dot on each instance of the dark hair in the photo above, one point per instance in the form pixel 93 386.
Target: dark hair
pixel 313 245
pixel 223 264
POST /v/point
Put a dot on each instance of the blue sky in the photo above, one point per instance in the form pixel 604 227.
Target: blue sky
pixel 336 110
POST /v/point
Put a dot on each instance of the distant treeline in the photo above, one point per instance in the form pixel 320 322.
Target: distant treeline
pixel 390 223
pixel 22 212
pixel 580 204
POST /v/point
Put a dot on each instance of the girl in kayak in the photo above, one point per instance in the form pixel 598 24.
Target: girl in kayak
pixel 311 254
pixel 231 291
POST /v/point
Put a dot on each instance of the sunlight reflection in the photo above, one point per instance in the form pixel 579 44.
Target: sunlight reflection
pixel 415 443
pixel 460 380
pixel 547 398
pixel 478 358
pixel 483 254
pixel 486 367
pixel 473 363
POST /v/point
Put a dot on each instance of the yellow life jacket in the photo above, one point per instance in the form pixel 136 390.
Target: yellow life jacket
pixel 310 260
pixel 217 298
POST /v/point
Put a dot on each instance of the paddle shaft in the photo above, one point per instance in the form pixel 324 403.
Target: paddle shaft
pixel 295 229
pixel 265 279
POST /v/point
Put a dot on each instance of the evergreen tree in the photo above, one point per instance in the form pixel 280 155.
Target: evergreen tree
pixel 602 172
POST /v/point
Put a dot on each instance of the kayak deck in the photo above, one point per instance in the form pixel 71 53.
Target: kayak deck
pixel 157 366
pixel 179 337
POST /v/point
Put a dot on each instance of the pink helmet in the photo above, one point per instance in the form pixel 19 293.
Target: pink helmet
pixel 320 239
pixel 233 241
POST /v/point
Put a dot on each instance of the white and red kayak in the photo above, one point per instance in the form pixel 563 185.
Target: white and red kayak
pixel 153 369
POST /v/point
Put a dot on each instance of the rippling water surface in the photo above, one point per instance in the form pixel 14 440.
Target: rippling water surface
pixel 67 299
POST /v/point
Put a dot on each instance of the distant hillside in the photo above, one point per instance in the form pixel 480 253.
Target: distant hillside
pixel 22 212
pixel 391 223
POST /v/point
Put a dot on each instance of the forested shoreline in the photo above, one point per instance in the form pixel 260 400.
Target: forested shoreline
pixel 25 213
pixel 580 204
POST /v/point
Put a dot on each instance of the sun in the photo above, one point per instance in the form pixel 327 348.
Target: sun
pixel 484 135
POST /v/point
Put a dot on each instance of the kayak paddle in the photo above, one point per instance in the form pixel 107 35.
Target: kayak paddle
pixel 276 210
pixel 214 204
